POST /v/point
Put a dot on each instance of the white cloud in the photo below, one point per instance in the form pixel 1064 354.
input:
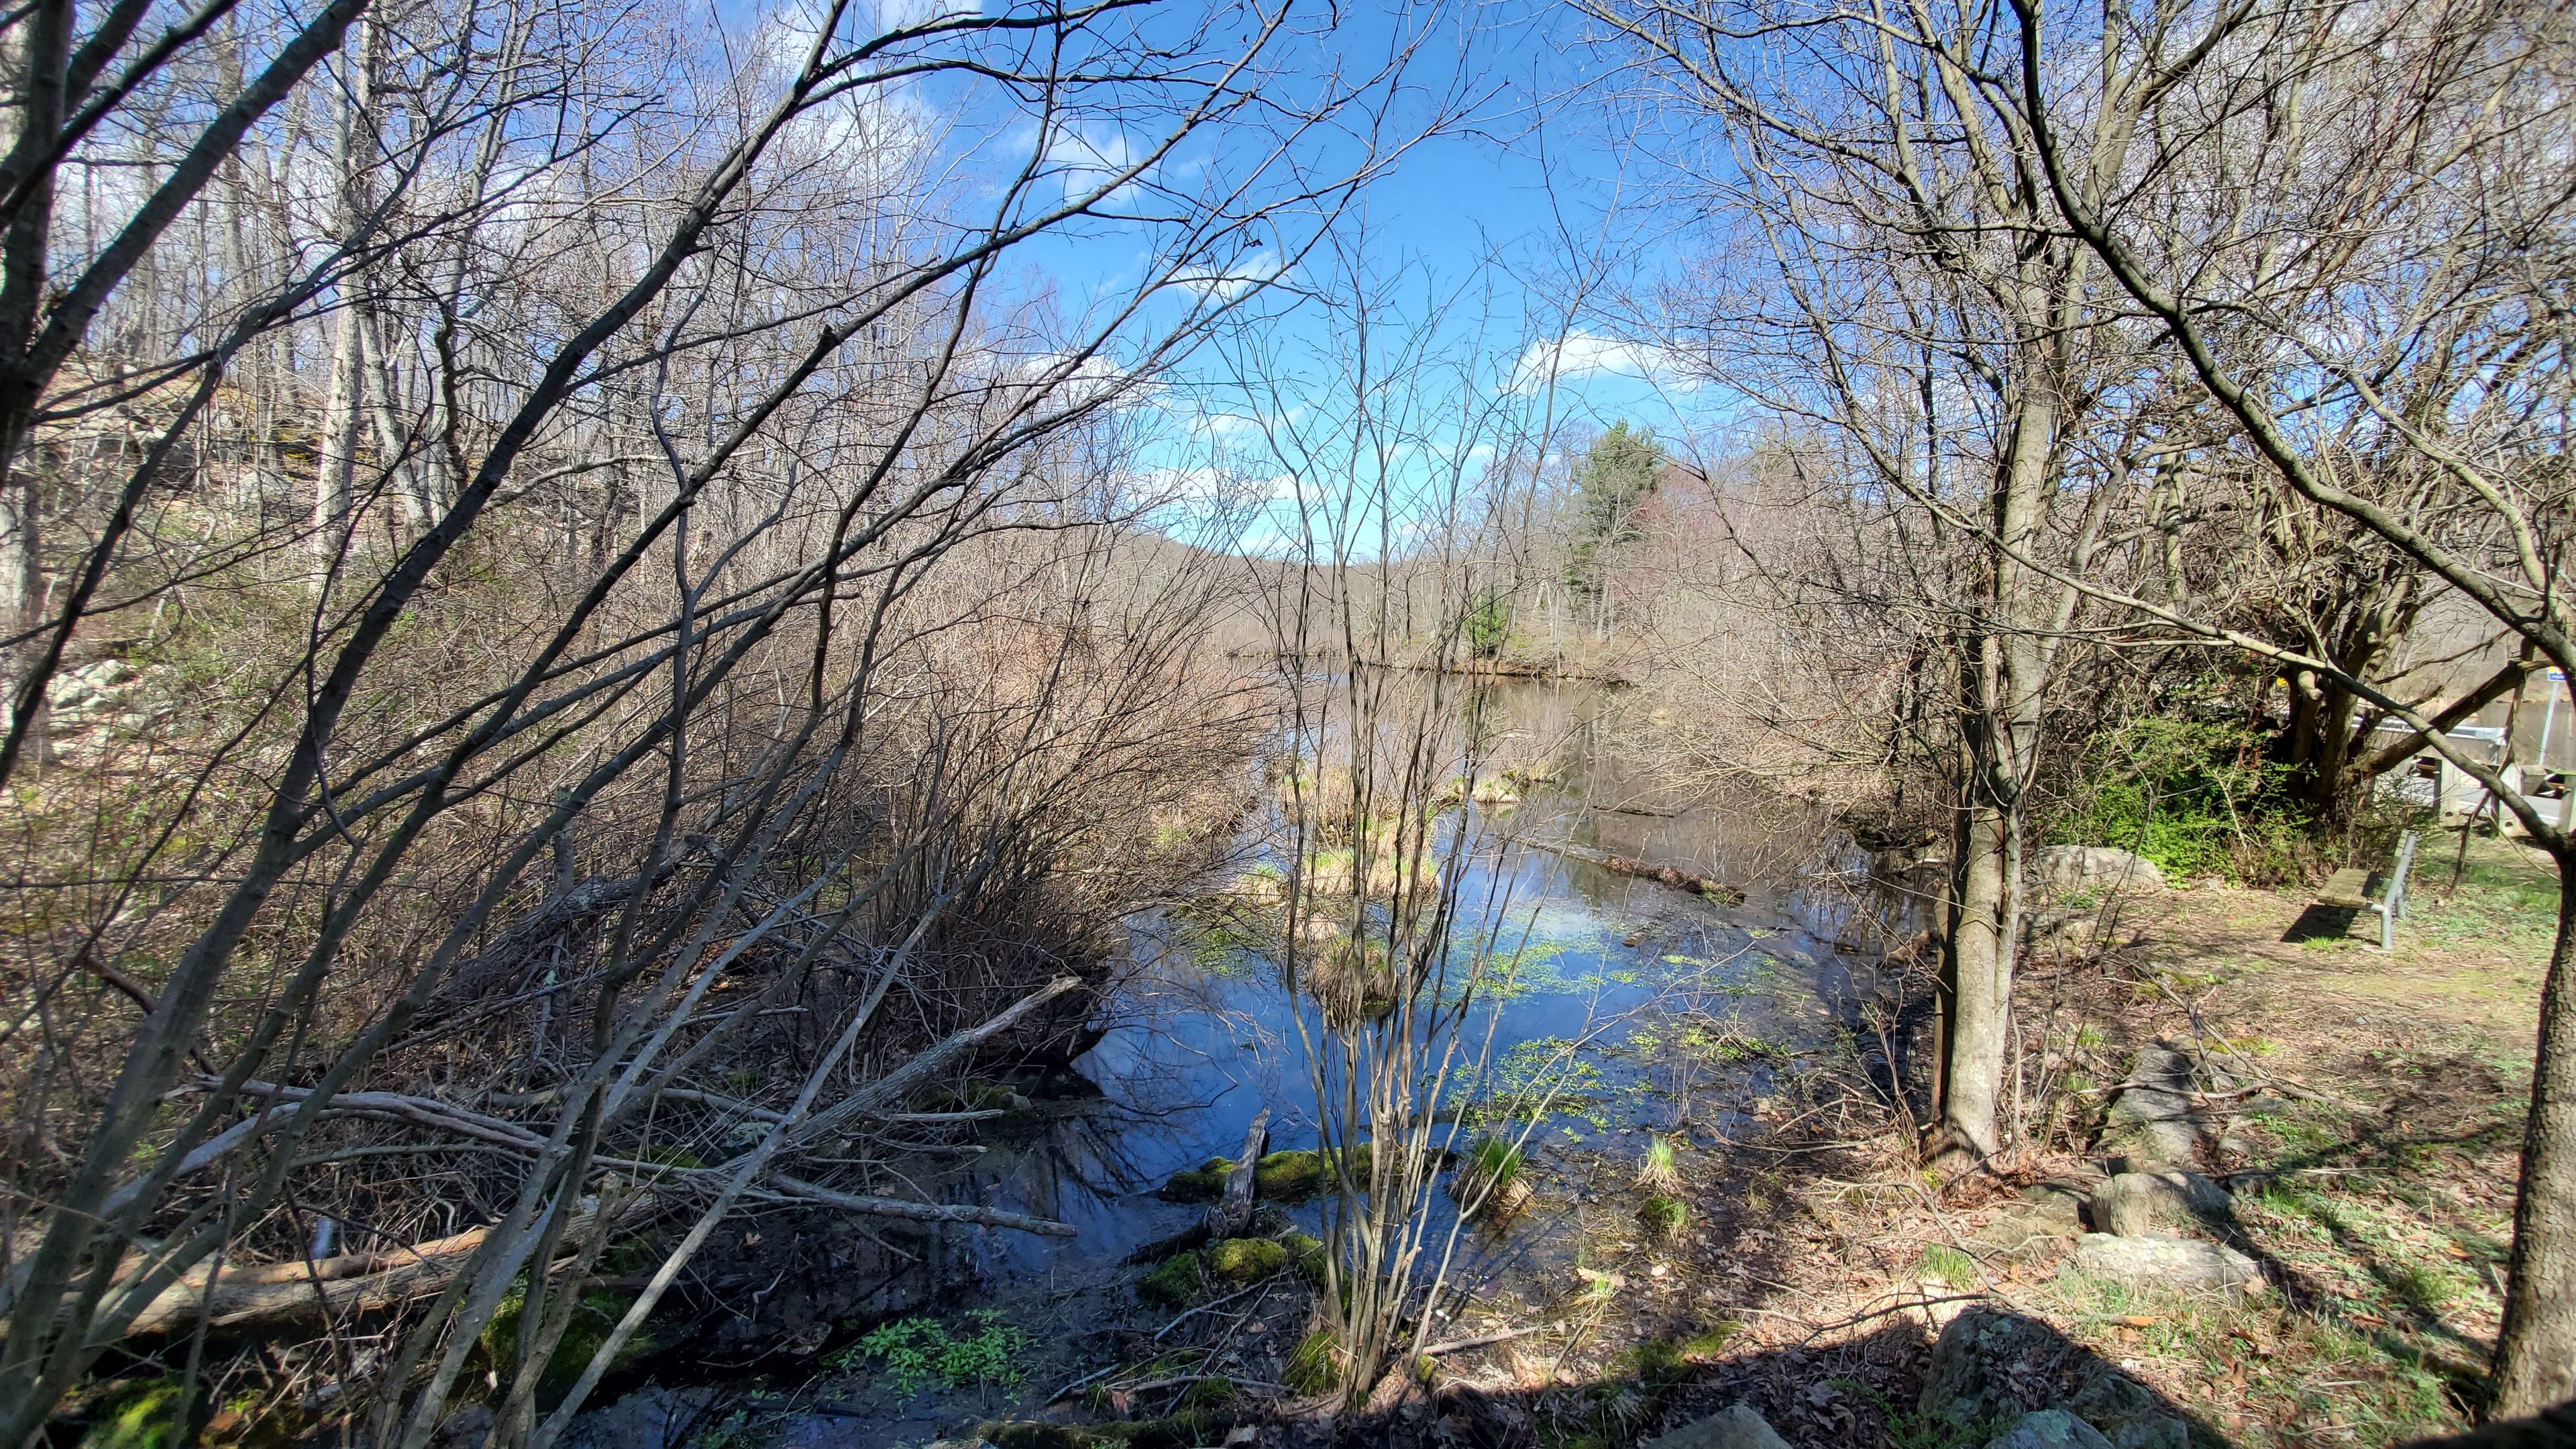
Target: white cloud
pixel 1588 354
pixel 1089 162
pixel 1068 381
pixel 1225 283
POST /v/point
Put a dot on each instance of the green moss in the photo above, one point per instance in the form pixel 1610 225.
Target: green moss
pixel 143 1417
pixel 1204 1183
pixel 1663 1216
pixel 1245 1260
pixel 599 1312
pixel 1308 1254
pixel 1710 1342
pixel 1209 1393
pixel 1314 1366
pixel 1657 1363
pixel 1176 1284
pixel 1288 1176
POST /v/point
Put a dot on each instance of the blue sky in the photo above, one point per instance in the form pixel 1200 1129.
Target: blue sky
pixel 1475 224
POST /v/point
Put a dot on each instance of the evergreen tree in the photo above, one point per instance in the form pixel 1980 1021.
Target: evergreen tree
pixel 1617 474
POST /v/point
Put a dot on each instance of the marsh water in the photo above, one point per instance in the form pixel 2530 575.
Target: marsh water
pixel 1692 1011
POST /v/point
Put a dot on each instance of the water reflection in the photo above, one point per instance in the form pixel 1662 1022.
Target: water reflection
pixel 1693 1011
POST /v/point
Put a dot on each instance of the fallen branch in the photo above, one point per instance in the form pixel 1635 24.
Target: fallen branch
pixel 1202 1308
pixel 898 1084
pixel 1680 880
pixel 780 1185
pixel 1461 1345
pixel 275 1294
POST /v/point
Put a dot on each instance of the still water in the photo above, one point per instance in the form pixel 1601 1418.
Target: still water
pixel 1689 1008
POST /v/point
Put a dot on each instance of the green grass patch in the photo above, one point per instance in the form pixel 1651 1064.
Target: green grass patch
pixel 1946 1264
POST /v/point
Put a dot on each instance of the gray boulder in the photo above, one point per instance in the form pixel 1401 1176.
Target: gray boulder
pixel 2151 1124
pixel 2154 1261
pixel 2128 1415
pixel 2043 1220
pixel 2049 1429
pixel 2067 869
pixel 1989 1366
pixel 1737 1428
pixel 1990 1370
pixel 2132 1203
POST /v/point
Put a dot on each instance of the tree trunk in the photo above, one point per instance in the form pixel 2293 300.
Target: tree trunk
pixel 333 477
pixel 2535 1365
pixel 337 469
pixel 1981 998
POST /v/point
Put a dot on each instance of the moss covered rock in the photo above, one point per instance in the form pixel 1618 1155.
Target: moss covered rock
pixel 1175 1284
pixel 1204 1183
pixel 1307 1253
pixel 1245 1260
pixel 1289 1176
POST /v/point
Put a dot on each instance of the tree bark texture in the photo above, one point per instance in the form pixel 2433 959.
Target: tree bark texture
pixel 2536 1350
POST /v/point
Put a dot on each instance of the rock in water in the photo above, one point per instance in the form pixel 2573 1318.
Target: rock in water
pixel 2154 1261
pixel 2151 1124
pixel 1737 1428
pixel 2133 1203
pixel 2049 1429
pixel 2071 868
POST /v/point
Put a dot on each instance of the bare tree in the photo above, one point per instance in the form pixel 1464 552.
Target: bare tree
pixel 667 388
pixel 1896 293
pixel 2389 252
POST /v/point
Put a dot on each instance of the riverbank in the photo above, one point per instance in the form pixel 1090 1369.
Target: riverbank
pixel 2372 1146
pixel 1812 1271
pixel 1788 1254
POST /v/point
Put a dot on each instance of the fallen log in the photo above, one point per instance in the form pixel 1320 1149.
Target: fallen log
pixel 1231 1213
pixel 1680 880
pixel 307 1293
pixel 919 1212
